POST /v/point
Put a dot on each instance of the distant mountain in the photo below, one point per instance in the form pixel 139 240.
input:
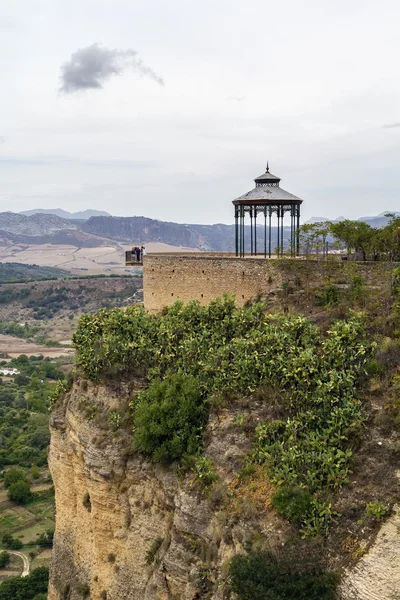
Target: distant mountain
pixel 141 230
pixel 37 224
pixel 375 221
pixel 64 214
pixel 43 229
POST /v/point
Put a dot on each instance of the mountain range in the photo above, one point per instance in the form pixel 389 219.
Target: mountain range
pixel 375 221
pixel 100 230
pixel 82 215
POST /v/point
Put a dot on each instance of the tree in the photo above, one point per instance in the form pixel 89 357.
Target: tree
pixel 20 492
pixel 13 476
pixel 10 542
pixel 313 236
pixel 356 235
pixel 21 380
pixel 4 558
pixel 33 587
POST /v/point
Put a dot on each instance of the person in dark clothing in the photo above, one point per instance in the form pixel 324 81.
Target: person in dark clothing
pixel 137 254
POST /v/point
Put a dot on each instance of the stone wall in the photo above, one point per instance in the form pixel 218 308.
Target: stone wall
pixel 203 277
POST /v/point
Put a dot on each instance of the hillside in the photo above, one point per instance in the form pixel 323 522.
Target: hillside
pixel 266 458
pixel 141 230
pixel 16 272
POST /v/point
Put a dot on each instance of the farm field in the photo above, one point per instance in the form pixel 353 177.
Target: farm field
pixel 27 523
pixel 14 347
pixel 80 261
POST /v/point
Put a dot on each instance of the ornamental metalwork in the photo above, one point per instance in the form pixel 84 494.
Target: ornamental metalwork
pixel 265 201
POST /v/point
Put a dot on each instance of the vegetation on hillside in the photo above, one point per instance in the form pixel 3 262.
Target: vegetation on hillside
pixel 372 243
pixel 32 587
pixel 234 351
pixel 17 272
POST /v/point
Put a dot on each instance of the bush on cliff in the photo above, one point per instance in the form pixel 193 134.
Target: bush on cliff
pixel 262 577
pixel 169 418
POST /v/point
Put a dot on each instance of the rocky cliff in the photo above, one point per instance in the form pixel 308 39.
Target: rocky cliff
pixel 129 530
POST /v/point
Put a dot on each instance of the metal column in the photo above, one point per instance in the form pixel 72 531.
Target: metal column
pixel 255 231
pixel 236 231
pixel 269 233
pixel 251 231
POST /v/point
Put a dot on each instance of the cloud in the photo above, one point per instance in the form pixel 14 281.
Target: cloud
pixel 390 125
pixel 89 68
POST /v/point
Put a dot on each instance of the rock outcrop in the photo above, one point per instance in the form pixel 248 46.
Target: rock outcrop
pixel 127 529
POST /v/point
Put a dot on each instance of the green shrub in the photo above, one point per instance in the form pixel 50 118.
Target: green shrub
pixel 294 504
pixel 202 468
pixel 376 509
pixel 13 476
pixel 4 558
pixel 20 492
pixel 169 419
pixel 329 296
pixel 10 542
pixel 262 577
pixel 302 508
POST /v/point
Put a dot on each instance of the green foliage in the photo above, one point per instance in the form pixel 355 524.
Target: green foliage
pixel 17 330
pixel 13 476
pixel 10 542
pixel 329 296
pixel 312 448
pixel 376 509
pixel 294 504
pixel 356 235
pixel 152 551
pixel 45 539
pixel 234 350
pixel 26 588
pixel 4 559
pixel 20 492
pixel 57 394
pixel 203 469
pixel 169 417
pixel 17 272
pixel 304 509
pixel 262 577
pixel 114 418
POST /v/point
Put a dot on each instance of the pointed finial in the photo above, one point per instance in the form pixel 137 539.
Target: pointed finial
pixel 267 168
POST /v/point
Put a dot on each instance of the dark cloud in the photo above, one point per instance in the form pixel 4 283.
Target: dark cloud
pixel 89 68
pixel 390 125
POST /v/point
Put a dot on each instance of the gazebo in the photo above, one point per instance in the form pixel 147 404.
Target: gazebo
pixel 266 199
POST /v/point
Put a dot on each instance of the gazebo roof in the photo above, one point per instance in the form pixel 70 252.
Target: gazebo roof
pixel 267 191
pixel 267 177
pixel 267 194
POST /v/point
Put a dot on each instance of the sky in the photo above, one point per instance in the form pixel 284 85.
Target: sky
pixel 170 108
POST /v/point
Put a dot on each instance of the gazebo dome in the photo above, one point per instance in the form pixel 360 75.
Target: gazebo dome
pixel 267 178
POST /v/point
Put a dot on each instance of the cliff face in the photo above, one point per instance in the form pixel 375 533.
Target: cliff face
pixel 129 530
